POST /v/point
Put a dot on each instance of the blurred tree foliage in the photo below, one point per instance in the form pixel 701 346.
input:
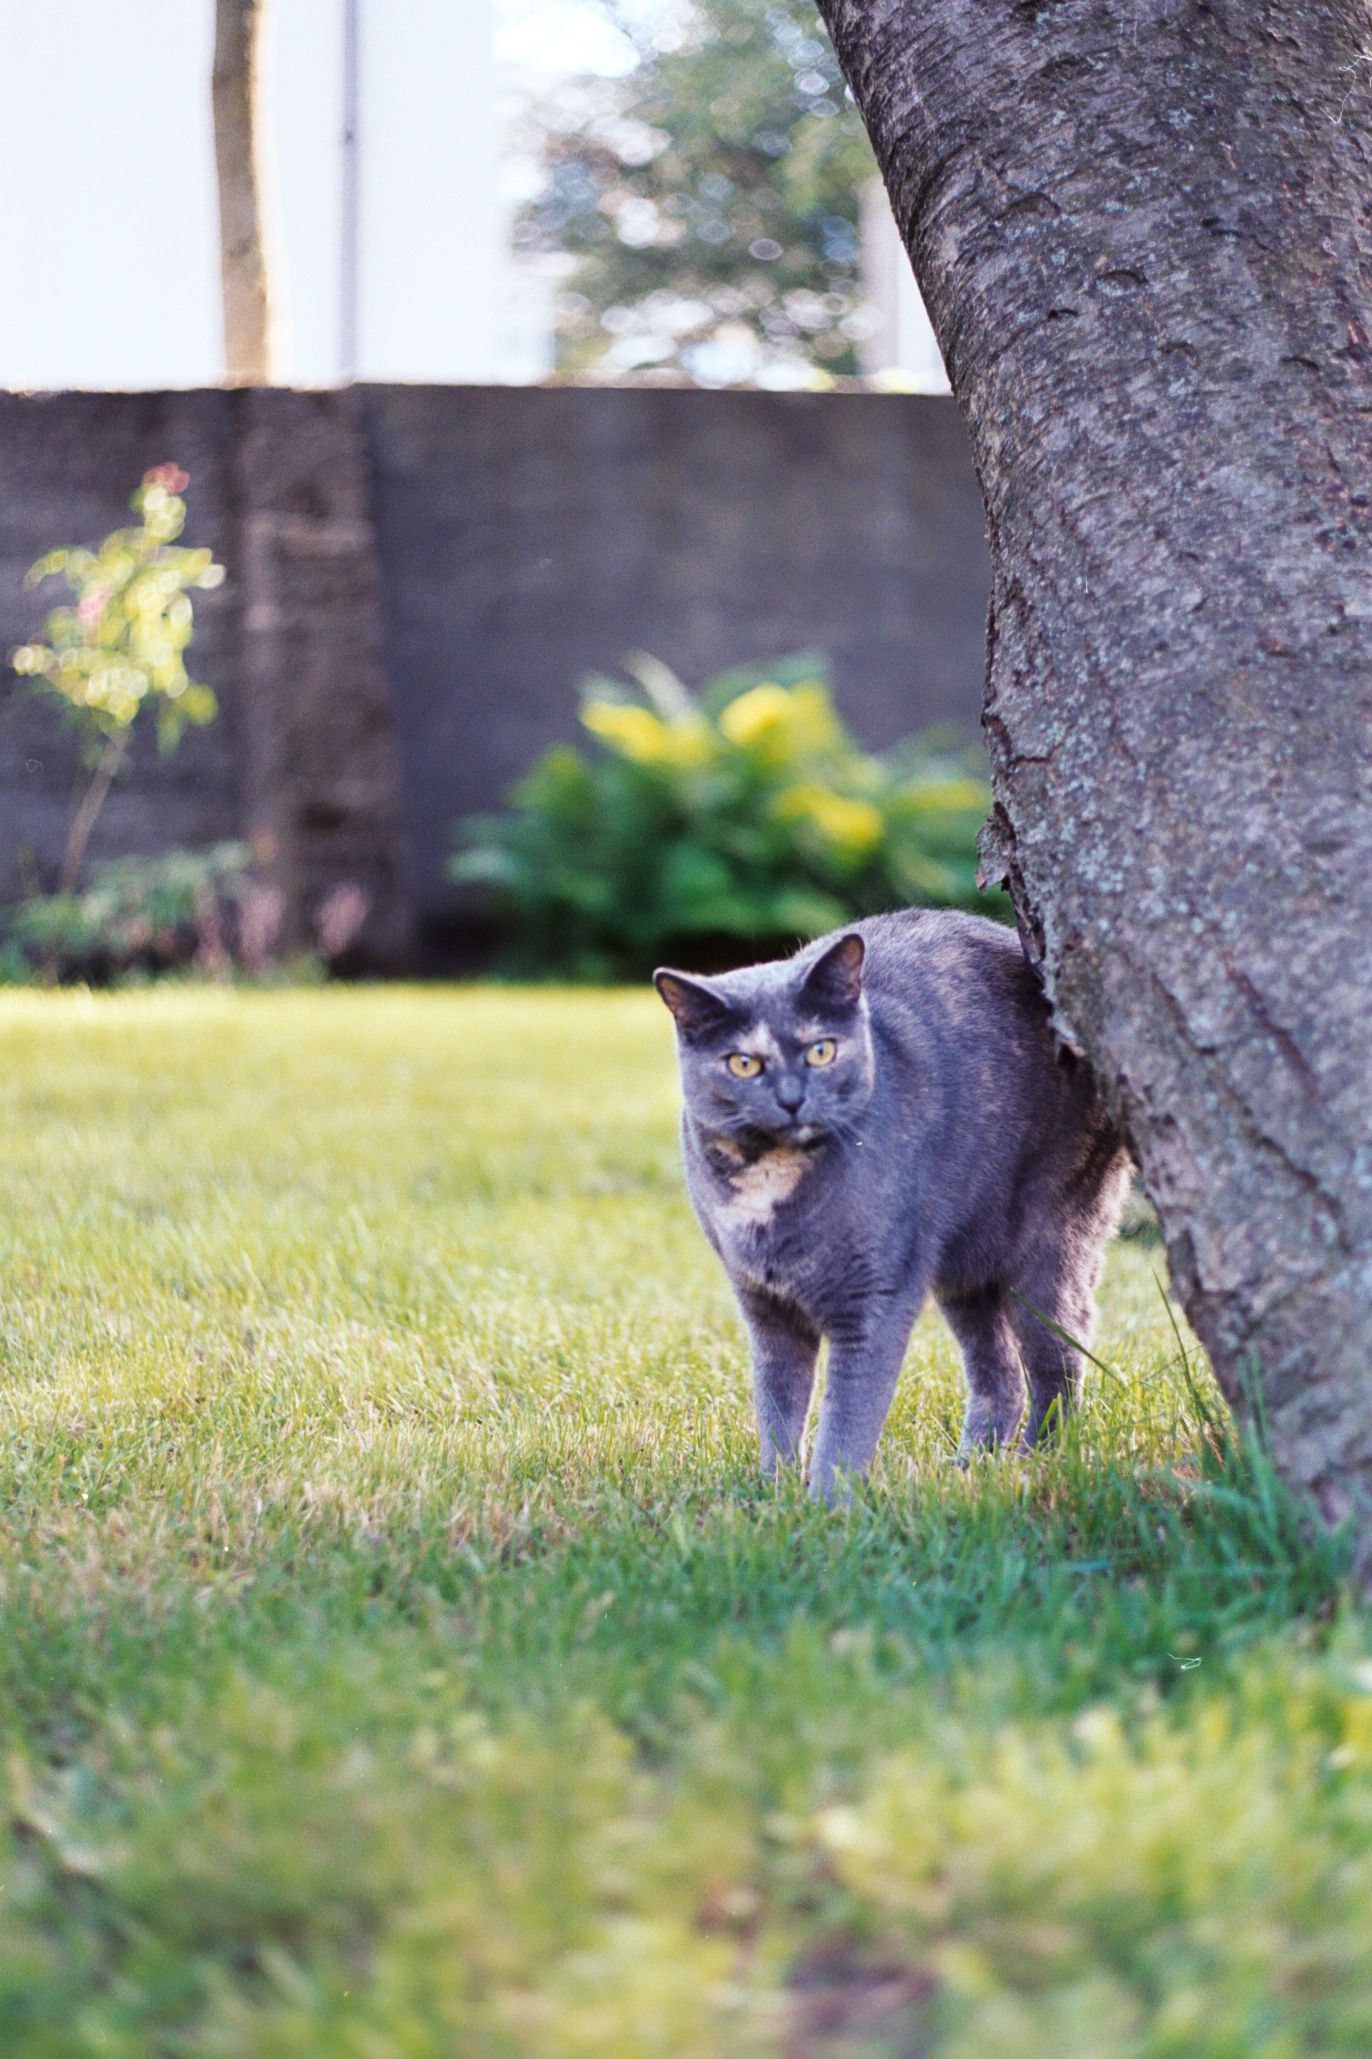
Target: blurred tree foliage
pixel 710 198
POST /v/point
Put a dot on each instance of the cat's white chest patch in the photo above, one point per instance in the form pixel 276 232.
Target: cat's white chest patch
pixel 755 1190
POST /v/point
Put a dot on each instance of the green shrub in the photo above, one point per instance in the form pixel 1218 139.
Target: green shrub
pixel 213 913
pixel 716 827
pixel 147 915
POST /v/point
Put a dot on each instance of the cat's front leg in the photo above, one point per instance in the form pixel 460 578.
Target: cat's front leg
pixel 863 1370
pixel 785 1350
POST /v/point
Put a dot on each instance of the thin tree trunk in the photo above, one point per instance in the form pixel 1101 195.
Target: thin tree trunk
pixel 88 810
pixel 249 314
pixel 1143 236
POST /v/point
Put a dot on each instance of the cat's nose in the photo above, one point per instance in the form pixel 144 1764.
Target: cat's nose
pixel 790 1094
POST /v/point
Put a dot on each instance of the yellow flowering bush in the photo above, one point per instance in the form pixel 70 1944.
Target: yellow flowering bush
pixel 781 724
pixel 717 826
pixel 639 734
pixel 849 829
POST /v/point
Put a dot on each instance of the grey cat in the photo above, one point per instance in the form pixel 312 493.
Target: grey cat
pixel 882 1116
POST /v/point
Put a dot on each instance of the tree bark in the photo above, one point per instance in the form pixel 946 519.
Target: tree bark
pixel 1143 236
pixel 249 313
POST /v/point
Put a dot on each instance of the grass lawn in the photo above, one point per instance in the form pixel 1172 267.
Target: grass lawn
pixel 398 1655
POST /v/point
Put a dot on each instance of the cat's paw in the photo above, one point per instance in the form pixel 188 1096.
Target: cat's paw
pixel 832 1487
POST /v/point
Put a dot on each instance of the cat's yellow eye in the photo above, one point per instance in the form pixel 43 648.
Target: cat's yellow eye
pixel 822 1053
pixel 744 1066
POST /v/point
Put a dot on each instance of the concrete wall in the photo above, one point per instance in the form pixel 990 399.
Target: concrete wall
pixel 68 463
pixel 531 536
pixel 302 756
pixel 419 575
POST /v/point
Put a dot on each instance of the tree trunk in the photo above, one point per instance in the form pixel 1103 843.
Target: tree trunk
pixel 249 342
pixel 88 810
pixel 1143 236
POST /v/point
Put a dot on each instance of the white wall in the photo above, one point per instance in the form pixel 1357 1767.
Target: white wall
pixel 904 342
pixel 305 85
pixel 432 244
pixel 108 262
pixel 108 239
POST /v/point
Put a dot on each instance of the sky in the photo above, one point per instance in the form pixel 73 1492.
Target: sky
pixel 551 37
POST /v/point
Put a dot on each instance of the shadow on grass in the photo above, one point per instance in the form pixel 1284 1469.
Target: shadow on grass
pixel 1057 1577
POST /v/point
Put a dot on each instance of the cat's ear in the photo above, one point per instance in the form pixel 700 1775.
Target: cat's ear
pixel 695 1004
pixel 835 978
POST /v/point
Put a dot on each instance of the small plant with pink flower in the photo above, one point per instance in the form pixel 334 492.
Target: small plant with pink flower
pixel 118 648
